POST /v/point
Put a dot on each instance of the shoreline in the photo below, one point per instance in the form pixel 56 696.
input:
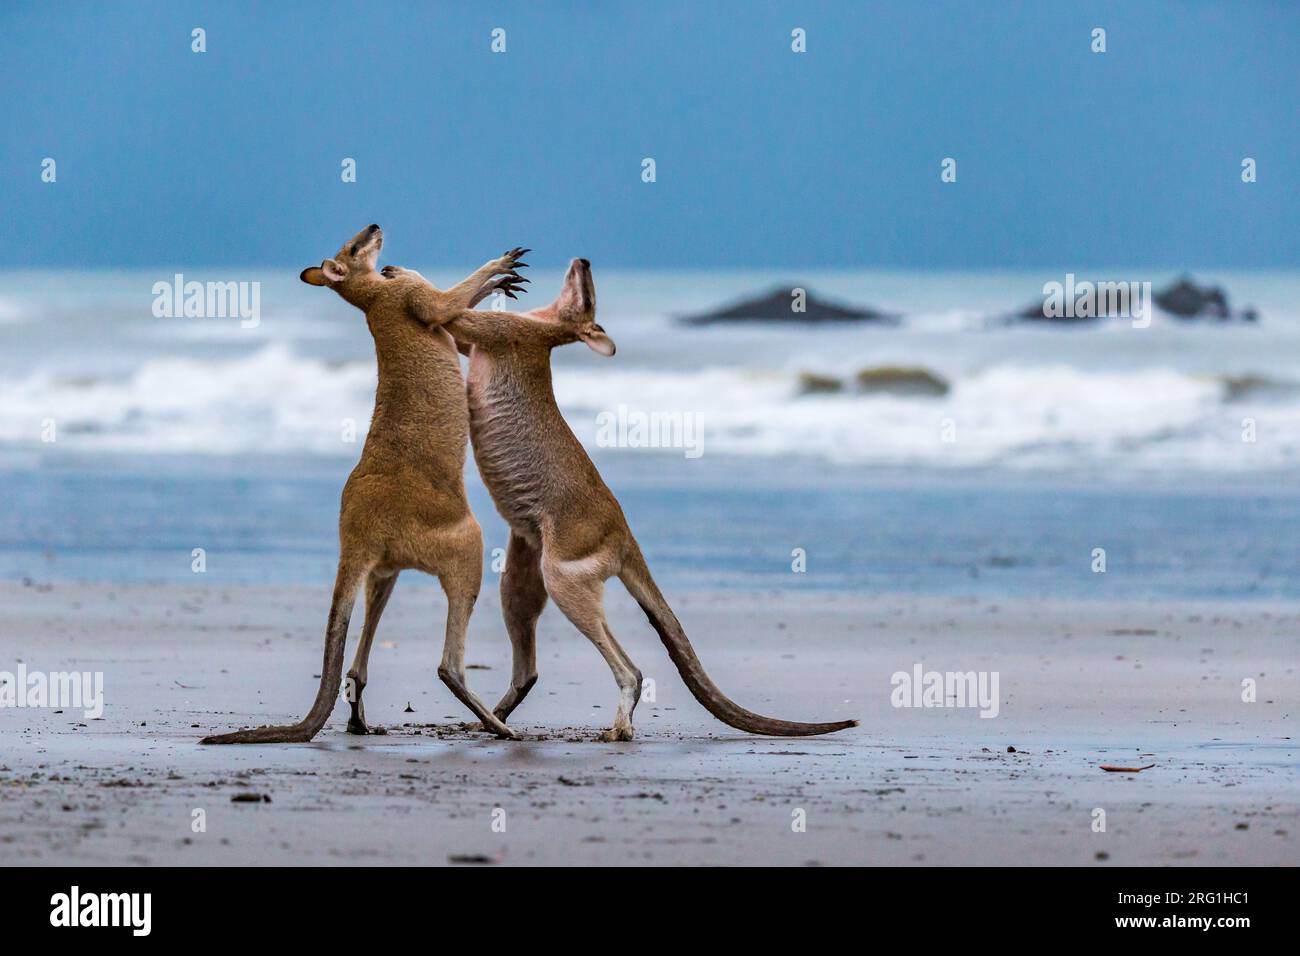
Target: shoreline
pixel 655 467
pixel 702 528
pixel 1082 683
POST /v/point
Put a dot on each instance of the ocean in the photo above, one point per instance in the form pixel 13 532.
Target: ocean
pixel 127 440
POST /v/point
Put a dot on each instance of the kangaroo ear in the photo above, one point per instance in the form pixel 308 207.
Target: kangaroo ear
pixel 313 275
pixel 334 271
pixel 598 341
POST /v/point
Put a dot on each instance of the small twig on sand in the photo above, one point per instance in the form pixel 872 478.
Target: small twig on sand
pixel 1109 769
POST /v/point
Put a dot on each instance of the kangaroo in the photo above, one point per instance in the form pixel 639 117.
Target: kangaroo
pixel 568 534
pixel 404 504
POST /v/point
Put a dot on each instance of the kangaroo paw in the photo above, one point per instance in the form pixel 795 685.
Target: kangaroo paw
pixel 510 261
pixel 508 284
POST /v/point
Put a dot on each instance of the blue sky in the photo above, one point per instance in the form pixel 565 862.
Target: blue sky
pixel 765 158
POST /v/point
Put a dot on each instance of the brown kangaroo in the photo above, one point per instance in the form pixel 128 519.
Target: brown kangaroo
pixel 568 534
pixel 404 504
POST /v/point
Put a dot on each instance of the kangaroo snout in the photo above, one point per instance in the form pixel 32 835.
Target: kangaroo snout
pixel 371 235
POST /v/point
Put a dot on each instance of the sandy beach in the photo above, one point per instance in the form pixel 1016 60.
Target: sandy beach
pixel 1081 684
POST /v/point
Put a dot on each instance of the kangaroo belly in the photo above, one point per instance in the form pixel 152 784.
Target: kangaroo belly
pixel 508 450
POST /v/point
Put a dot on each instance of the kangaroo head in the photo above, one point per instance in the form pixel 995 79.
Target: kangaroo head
pixel 353 266
pixel 576 308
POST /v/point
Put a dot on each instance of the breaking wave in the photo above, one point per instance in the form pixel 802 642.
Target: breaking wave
pixel 1022 416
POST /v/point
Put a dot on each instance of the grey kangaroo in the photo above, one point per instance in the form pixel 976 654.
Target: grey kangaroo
pixel 404 504
pixel 568 534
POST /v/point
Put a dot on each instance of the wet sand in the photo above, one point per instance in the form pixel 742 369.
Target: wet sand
pixel 1081 684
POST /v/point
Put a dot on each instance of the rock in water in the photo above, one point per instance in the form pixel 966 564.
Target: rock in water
pixel 1182 299
pixel 1037 313
pixel 892 380
pixel 780 305
pixel 1186 300
pixel 810 383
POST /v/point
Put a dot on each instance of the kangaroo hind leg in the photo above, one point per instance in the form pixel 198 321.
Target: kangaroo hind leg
pixel 346 584
pixel 460 575
pixel 378 589
pixel 523 596
pixel 580 595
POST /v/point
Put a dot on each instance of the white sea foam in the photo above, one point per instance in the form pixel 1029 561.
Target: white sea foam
pixel 270 401
pixel 10 312
pixel 276 401
pixel 87 353
pixel 1006 415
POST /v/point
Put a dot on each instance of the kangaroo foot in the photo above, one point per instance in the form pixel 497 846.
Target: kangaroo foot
pixel 456 683
pixel 499 728
pixel 357 725
pixel 357 720
pixel 615 734
pixel 291 734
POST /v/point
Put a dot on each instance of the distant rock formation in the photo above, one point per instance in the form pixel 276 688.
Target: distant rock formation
pixel 905 382
pixel 781 305
pixel 893 380
pixel 1037 313
pixel 1239 387
pixel 810 383
pixel 1184 299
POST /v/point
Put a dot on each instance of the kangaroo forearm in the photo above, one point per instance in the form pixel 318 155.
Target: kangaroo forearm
pixel 437 307
pixel 472 290
pixel 431 306
pixel 483 327
pixel 483 292
pixel 472 327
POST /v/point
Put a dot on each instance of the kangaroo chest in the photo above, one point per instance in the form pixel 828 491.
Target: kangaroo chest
pixel 420 418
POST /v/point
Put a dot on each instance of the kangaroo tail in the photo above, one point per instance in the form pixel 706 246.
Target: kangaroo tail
pixel 331 676
pixel 636 578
